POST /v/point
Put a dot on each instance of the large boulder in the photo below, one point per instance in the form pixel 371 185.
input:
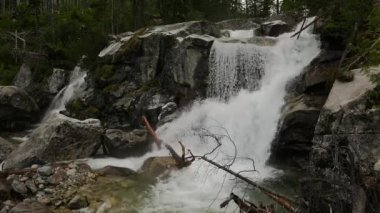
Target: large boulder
pixel 5 149
pixel 346 148
pixel 23 77
pixel 122 144
pixel 346 118
pixel 17 108
pixel 57 80
pixel 294 138
pixel 58 139
pixel 274 28
pixel 156 166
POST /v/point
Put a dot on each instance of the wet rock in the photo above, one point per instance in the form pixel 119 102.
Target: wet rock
pixel 346 121
pixel 294 138
pixel 116 171
pixel 78 202
pixel 155 166
pixel 45 170
pixel 24 77
pixel 5 149
pixel 376 167
pixel 31 186
pixel 19 187
pixel 121 144
pixel 58 139
pixel 274 28
pixel 17 108
pixel 84 210
pixel 58 176
pixel 57 80
pixel 30 207
pixel 104 207
pixel 5 190
pixel 166 110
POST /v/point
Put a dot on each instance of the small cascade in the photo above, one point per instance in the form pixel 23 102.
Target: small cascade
pixel 77 79
pixel 235 66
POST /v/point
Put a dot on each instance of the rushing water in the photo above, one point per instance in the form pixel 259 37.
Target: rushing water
pixel 253 79
pixel 77 80
pixel 235 66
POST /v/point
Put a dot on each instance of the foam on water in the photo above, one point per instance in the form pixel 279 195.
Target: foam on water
pixel 248 118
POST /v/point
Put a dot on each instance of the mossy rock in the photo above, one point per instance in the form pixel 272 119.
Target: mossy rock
pixel 134 43
pixel 345 76
pixel 105 72
pixel 75 106
pixel 111 88
pixel 149 85
pixel 79 110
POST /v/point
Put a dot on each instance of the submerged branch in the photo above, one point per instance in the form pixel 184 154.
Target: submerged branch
pixel 280 199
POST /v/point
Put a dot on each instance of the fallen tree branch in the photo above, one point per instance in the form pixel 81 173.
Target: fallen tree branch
pixel 305 27
pixel 280 199
pixel 149 128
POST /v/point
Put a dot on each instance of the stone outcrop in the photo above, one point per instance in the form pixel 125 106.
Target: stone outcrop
pixel 142 72
pixel 346 119
pixel 121 144
pixel 24 77
pixel 274 28
pixel 345 153
pixel 57 80
pixel 5 149
pixel 17 108
pixel 58 139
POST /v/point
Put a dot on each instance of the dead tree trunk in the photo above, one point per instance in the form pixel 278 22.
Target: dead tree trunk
pixel 152 132
pixel 280 199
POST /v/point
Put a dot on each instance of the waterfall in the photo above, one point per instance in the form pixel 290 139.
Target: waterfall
pixel 77 79
pixel 252 79
pixel 235 66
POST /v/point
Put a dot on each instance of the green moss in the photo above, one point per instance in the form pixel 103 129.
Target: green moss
pixel 134 43
pixel 74 106
pixel 150 84
pixel 104 72
pixel 111 88
pixel 78 110
pixel 92 112
pixel 346 76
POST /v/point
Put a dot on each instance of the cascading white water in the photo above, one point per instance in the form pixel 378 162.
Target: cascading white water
pixel 77 79
pixel 249 118
pixel 235 66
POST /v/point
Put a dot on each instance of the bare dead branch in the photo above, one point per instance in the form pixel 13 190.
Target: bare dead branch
pixel 280 199
pixel 152 132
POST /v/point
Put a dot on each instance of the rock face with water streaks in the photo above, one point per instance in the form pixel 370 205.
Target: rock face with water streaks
pixel 58 139
pixel 306 96
pixel 17 108
pixel 346 119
